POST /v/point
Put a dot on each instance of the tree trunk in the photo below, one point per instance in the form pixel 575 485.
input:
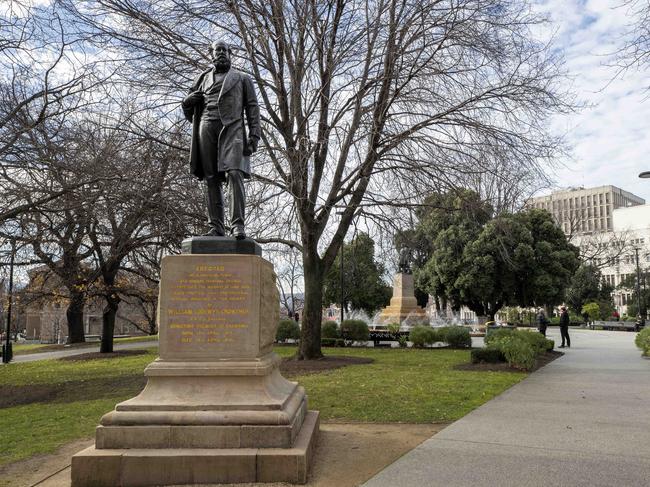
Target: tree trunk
pixel 108 322
pixel 75 317
pixel 312 313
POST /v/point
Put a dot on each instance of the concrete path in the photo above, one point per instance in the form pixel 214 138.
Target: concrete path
pixel 31 357
pixel 583 420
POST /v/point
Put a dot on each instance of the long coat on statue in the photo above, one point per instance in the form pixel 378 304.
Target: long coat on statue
pixel 237 98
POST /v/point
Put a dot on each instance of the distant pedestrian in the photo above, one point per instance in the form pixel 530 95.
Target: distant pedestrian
pixel 542 321
pixel 564 327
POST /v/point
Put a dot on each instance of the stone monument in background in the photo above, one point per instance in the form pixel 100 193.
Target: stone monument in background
pixel 403 304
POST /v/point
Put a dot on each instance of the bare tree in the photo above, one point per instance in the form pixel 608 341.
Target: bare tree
pixel 603 249
pixel 367 104
pixel 56 229
pixel 143 210
pixel 43 73
pixel 635 52
pixel 288 267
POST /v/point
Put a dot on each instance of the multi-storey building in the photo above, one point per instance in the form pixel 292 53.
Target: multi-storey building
pixel 615 252
pixel 585 210
pixel 610 226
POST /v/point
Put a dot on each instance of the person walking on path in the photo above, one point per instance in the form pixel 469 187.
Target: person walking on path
pixel 564 327
pixel 542 322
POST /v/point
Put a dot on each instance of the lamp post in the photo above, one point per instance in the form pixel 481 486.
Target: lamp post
pixel 342 301
pixel 7 352
pixel 638 285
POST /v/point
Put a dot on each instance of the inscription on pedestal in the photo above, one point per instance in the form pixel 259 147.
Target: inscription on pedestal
pixel 208 308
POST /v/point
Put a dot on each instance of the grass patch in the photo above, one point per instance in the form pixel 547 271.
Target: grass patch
pixel 42 428
pixel 29 348
pixel 21 348
pixel 60 371
pixel 411 386
pixel 145 338
pixel 399 386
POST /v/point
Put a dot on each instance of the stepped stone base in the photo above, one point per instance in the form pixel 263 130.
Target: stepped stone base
pixel 215 408
pixel 177 466
pixel 403 304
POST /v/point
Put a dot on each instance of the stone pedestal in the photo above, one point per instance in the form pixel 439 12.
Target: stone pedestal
pixel 215 408
pixel 403 303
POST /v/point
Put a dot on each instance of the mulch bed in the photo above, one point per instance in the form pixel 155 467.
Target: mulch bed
pixel 541 361
pixel 291 367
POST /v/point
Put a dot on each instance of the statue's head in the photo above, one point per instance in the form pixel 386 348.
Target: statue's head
pixel 221 52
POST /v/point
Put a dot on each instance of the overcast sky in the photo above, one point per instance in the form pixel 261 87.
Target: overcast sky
pixel 610 141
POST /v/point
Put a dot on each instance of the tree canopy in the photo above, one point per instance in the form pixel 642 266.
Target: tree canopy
pixel 363 286
pixel 587 286
pixel 485 263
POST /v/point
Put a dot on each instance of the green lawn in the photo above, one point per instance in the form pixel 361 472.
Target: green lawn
pixel 401 385
pixel 21 348
pixel 29 348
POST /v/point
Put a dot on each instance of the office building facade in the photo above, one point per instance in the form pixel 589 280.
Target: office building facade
pixel 585 210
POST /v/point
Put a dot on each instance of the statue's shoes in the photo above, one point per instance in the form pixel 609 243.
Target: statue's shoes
pixel 239 233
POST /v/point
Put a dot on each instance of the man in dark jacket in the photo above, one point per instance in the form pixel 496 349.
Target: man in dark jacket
pixel 220 149
pixel 564 327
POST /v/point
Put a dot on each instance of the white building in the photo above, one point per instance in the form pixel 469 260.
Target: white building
pixel 585 210
pixel 608 224
pixel 615 251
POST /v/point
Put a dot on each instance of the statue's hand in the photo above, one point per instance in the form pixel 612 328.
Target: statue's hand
pixel 250 147
pixel 192 99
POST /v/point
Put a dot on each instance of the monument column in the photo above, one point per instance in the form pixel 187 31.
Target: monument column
pixel 215 408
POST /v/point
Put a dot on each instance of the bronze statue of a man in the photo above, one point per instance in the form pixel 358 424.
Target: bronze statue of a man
pixel 404 265
pixel 220 149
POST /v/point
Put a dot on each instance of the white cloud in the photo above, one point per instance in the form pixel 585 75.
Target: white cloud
pixel 611 137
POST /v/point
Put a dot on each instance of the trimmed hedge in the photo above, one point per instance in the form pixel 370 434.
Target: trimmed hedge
pixel 455 336
pixel 519 347
pixel 423 335
pixel 287 329
pixel 330 329
pixel 642 341
pixel 355 330
pixel 498 333
pixel 332 342
pixel 519 353
pixel 489 355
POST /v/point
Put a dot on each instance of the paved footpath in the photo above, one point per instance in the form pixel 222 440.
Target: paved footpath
pixel 583 420
pixel 31 357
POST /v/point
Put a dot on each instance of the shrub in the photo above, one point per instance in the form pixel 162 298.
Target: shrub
pixel 355 330
pixel 518 352
pixel 496 334
pixel 393 327
pixel 329 329
pixel 455 336
pixel 422 335
pixel 287 329
pixel 534 338
pixel 332 342
pixel 642 341
pixel 403 341
pixel 550 345
pixel 489 354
